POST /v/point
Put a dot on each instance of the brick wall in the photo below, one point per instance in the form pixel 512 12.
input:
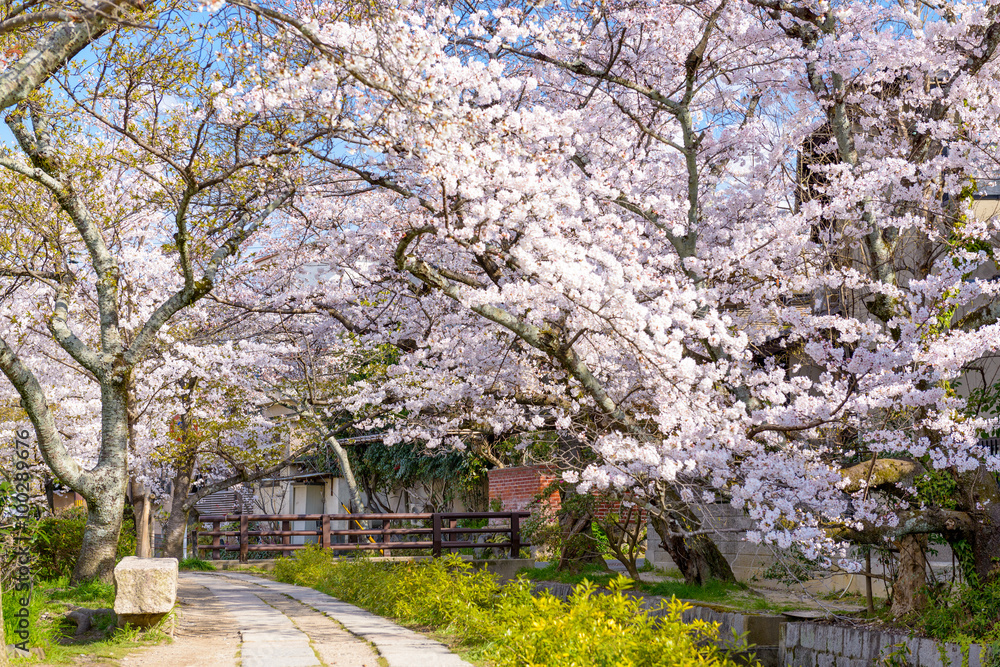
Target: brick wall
pixel 608 505
pixel 516 487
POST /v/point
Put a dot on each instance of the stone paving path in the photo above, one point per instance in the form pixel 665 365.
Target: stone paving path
pixel 281 625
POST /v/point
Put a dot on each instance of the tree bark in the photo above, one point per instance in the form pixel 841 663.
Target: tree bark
pixel 345 468
pixel 696 556
pixel 100 537
pixel 177 521
pixel 105 495
pixel 173 534
pixel 981 494
pixel 909 590
pixel 579 548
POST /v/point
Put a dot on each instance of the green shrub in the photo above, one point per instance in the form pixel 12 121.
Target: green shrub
pixel 58 539
pixel 196 564
pixel 510 625
pixel 964 611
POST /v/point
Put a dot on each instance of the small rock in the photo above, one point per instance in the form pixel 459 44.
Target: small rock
pixel 16 652
pixel 38 652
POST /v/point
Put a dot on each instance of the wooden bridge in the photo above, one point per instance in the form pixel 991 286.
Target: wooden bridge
pixel 442 534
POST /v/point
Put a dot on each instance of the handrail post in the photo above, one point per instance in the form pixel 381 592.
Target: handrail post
pixel 244 539
pixel 216 539
pixel 515 534
pixel 326 531
pixel 194 543
pixel 286 539
pixel 436 535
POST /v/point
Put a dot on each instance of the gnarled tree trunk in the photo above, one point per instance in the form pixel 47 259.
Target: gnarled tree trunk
pixel 981 497
pixel 100 536
pixel 696 556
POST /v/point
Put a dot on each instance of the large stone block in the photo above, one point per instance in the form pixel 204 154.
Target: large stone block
pixel 807 636
pixel 145 589
pixel 791 634
pixel 763 630
pixel 835 640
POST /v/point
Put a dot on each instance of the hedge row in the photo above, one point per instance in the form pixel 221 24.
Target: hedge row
pixel 511 625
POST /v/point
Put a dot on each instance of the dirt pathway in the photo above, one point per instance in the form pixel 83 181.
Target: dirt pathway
pixel 205 634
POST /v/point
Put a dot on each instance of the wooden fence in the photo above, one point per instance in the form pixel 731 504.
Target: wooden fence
pixel 443 532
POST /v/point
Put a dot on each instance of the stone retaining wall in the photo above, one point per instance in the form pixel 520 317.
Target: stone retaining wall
pixel 820 645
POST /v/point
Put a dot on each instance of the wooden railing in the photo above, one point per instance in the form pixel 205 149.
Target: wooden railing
pixel 443 533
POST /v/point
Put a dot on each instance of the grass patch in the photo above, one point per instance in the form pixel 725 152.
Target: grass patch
pixel 713 591
pixel 593 573
pixel 49 631
pixel 194 563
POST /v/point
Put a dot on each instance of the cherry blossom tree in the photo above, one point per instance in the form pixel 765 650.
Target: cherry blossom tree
pixel 732 245
pixel 151 202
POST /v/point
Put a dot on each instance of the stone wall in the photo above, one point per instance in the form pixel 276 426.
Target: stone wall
pixel 820 645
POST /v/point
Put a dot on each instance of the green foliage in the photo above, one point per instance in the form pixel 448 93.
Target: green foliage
pixel 937 488
pixel 964 611
pixel 897 655
pixel 58 539
pixel 448 475
pixel 510 625
pixel 193 563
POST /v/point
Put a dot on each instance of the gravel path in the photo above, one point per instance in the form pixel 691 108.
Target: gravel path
pixel 230 618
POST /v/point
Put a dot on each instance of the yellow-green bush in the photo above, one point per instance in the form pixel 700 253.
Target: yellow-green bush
pixel 510 625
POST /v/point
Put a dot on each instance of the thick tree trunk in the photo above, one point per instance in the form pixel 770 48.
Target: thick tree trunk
pixel 909 592
pixel 105 491
pixel 980 493
pixel 173 534
pixel 696 556
pixel 986 543
pixel 173 531
pixel 100 537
